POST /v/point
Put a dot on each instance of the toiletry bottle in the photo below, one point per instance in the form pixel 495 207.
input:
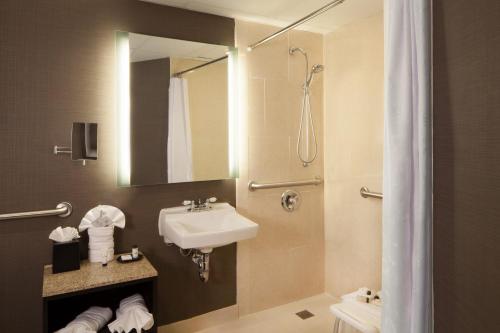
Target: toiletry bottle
pixel 135 252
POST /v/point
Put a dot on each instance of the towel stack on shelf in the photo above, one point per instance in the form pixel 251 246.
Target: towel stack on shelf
pixel 131 314
pixel 101 244
pixel 90 321
pixel 100 222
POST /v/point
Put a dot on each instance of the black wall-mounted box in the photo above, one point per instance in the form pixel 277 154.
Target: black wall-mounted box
pixel 66 256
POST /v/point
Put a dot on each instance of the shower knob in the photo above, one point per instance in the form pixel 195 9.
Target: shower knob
pixel 290 200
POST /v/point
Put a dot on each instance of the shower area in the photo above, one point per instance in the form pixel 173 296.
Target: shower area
pixel 312 112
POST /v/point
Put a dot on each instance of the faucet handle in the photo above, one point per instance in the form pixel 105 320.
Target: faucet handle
pixel 187 202
pixel 211 200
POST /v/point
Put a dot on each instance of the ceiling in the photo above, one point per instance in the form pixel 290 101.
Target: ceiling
pixel 144 47
pixel 283 12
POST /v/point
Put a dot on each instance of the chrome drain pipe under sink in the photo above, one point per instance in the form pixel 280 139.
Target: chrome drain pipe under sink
pixel 202 259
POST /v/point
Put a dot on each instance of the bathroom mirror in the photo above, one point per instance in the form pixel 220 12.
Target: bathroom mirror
pixel 84 141
pixel 176 116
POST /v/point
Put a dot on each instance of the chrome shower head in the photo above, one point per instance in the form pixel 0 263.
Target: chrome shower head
pixel 314 70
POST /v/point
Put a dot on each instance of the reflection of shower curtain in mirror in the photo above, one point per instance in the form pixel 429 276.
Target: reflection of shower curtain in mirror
pixel 180 160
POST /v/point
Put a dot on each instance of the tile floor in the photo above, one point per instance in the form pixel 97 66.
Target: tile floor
pixel 282 319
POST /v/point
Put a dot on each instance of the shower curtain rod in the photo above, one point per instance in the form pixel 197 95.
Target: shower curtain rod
pixel 296 24
pixel 179 74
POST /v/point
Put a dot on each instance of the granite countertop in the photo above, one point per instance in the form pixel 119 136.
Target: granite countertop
pixel 93 275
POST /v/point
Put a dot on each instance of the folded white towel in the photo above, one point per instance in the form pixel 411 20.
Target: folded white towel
pixel 103 216
pixel 94 245
pixel 100 222
pixel 101 232
pixel 89 321
pixel 132 314
pixel 104 255
pixel 101 244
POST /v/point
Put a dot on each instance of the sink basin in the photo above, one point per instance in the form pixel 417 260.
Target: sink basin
pixel 204 230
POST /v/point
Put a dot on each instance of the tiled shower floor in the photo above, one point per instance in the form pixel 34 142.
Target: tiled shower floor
pixel 283 319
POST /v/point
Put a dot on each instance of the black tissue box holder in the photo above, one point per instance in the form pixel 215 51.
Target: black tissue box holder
pixel 66 256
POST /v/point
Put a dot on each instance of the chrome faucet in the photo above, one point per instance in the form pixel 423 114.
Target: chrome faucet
pixel 198 206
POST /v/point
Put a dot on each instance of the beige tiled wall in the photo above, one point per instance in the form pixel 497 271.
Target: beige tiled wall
pixel 207 91
pixel 353 155
pixel 286 260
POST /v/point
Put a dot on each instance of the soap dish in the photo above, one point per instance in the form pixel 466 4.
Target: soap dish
pixel 119 259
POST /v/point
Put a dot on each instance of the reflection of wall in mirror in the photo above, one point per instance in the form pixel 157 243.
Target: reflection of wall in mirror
pixel 149 121
pixel 208 108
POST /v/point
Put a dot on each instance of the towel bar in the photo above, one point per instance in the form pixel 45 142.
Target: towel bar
pixel 63 209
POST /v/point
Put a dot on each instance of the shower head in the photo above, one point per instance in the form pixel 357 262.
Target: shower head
pixel 308 74
pixel 314 70
pixel 317 68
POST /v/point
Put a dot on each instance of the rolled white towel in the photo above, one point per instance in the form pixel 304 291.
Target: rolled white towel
pixel 132 314
pixel 137 319
pixel 76 328
pixel 101 244
pixel 89 321
pixel 135 299
pixel 103 255
pixel 101 232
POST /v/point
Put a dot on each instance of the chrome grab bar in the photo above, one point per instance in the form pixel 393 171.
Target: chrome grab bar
pixel 365 193
pixel 253 185
pixel 63 209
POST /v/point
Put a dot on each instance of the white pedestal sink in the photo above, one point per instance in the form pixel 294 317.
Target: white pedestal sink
pixel 204 230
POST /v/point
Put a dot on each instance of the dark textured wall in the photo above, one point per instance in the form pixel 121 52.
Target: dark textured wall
pixel 466 165
pixel 149 83
pixel 57 66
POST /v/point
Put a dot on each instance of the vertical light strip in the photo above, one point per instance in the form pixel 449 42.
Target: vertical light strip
pixel 233 119
pixel 123 106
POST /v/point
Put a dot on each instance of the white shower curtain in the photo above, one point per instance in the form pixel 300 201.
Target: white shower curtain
pixel 407 206
pixel 179 154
